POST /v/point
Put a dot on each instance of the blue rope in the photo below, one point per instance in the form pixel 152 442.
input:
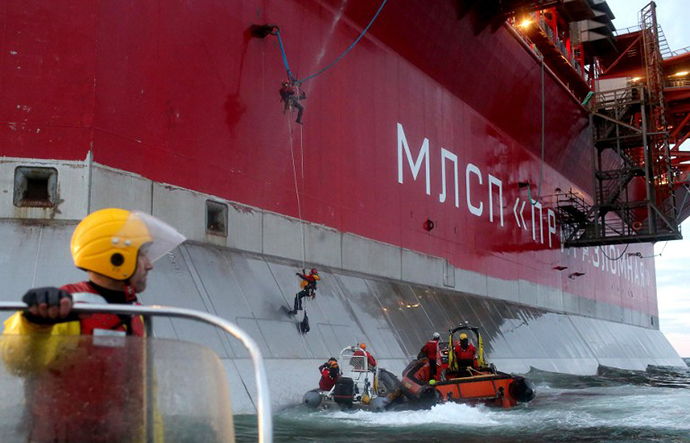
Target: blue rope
pixel 287 67
pixel 282 52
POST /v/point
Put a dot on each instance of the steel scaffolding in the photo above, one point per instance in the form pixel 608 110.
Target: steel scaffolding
pixel 633 200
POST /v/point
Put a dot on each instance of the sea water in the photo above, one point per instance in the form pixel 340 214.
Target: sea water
pixel 612 406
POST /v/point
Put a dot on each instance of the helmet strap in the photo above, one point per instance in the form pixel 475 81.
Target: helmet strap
pixel 130 293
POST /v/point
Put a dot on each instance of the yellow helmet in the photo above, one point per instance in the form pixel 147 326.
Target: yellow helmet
pixel 108 242
pixel 463 336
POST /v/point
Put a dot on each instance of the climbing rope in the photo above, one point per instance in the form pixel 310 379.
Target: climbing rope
pixel 301 153
pixel 301 143
pixel 330 65
pixel 532 201
pixel 294 175
pixel 603 251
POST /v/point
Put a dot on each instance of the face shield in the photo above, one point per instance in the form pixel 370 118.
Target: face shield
pixel 145 233
pixel 163 237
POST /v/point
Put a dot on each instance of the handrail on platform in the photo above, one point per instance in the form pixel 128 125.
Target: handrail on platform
pixel 263 405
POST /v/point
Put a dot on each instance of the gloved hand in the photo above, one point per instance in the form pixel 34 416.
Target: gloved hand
pixel 48 306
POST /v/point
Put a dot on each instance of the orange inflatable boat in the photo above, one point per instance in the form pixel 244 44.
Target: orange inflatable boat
pixel 464 380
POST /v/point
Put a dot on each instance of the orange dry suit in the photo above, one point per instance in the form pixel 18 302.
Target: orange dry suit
pixel 86 390
pixel 430 350
pixel 329 375
pixel 308 285
pixel 470 353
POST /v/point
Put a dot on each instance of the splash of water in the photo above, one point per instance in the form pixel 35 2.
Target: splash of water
pixel 446 414
pixel 329 36
pixel 614 406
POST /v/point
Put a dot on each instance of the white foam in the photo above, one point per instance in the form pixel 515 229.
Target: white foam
pixel 446 414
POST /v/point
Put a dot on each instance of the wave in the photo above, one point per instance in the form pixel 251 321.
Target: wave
pixel 654 376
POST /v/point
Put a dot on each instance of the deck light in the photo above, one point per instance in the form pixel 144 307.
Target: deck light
pixel 636 79
pixel 681 74
pixel 525 23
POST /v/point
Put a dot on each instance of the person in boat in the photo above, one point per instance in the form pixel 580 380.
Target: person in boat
pixel 89 390
pixel 288 94
pixel 330 372
pixel 430 351
pixel 371 361
pixel 466 353
pixel 308 285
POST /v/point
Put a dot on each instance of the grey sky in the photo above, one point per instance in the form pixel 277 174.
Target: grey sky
pixel 673 278
pixel 671 15
pixel 673 286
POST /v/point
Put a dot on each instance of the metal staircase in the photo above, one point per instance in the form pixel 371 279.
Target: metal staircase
pixel 633 199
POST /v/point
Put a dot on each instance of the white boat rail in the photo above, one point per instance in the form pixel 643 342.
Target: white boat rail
pixel 265 422
pixel 354 363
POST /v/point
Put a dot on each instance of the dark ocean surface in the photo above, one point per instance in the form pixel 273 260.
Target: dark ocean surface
pixel 613 406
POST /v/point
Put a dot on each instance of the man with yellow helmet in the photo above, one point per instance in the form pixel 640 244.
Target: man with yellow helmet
pixel 117 248
pixel 465 352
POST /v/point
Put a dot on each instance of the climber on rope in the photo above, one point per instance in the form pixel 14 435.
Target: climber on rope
pixel 290 99
pixel 308 285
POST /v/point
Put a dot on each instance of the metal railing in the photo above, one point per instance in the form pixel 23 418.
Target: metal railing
pixel 677 83
pixel 263 404
pixel 663 43
pixel 558 43
pixel 680 51
pixel 628 30
pixel 570 58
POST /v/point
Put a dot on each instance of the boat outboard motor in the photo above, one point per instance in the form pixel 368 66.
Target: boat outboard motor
pixel 429 396
pixel 344 391
pixel 522 389
pixel 312 398
pixel 379 404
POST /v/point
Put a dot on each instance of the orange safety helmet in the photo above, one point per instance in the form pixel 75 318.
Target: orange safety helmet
pixel 363 346
pixel 314 271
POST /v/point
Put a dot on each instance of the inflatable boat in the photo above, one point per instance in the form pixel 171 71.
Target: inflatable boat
pixel 463 380
pixel 359 386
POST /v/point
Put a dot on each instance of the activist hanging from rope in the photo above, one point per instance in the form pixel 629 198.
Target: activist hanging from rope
pixel 290 93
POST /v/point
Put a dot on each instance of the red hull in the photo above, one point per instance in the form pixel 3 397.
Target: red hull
pixel 180 93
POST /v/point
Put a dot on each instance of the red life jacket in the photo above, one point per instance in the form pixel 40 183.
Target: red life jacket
pixel 431 350
pixel 84 293
pixel 467 354
pixel 371 361
pixel 93 392
pixel 326 383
